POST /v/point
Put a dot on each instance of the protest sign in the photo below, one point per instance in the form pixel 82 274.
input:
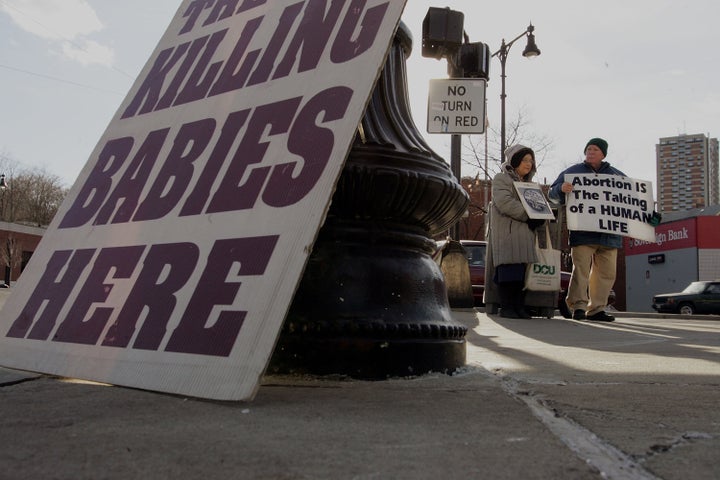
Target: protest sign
pixel 534 201
pixel 173 261
pixel 610 204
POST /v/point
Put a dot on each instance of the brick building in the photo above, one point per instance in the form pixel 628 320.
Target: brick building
pixel 18 243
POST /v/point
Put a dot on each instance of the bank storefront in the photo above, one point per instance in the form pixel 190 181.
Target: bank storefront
pixel 684 251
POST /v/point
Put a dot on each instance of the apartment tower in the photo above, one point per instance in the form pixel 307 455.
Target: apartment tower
pixel 688 172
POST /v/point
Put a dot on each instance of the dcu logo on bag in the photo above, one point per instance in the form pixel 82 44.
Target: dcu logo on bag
pixel 543 269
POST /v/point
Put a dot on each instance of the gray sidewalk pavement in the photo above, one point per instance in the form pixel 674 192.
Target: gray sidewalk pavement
pixel 538 399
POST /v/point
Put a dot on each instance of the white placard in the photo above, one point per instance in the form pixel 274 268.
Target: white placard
pixel 610 204
pixel 173 261
pixel 534 201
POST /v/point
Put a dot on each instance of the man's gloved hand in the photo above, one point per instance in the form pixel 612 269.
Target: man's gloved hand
pixel 534 223
pixel 655 219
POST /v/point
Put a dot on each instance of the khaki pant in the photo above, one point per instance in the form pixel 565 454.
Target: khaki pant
pixel 593 276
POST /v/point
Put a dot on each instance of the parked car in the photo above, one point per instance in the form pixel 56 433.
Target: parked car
pixel 476 251
pixel 698 297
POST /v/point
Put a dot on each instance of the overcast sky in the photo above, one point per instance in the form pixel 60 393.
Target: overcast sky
pixel 628 71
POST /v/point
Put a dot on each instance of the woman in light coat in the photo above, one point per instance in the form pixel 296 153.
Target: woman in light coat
pixel 512 232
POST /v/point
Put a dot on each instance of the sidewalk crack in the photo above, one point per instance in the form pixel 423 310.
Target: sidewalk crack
pixel 684 439
pixel 610 461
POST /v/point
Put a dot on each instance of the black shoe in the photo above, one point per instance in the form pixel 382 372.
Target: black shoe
pixel 508 312
pixel 522 313
pixel 601 316
pixel 578 315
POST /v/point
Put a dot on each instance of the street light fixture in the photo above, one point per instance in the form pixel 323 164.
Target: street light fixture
pixel 531 50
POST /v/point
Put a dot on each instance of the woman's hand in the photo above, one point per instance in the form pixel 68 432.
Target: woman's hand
pixel 534 223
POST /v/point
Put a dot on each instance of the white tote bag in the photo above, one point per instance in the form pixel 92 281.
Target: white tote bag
pixel 544 275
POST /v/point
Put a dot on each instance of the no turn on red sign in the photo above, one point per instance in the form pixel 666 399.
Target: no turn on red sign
pixel 456 106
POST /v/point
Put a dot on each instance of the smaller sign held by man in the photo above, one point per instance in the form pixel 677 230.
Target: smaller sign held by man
pixel 606 203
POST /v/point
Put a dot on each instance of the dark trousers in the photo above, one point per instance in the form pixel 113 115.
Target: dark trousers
pixel 512 299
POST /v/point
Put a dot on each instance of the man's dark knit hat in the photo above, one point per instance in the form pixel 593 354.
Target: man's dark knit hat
pixel 598 142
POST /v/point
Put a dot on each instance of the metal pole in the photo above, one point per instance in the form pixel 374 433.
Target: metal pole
pixel 455 145
pixel 3 187
pixel 503 57
pixel 530 51
pixel 485 185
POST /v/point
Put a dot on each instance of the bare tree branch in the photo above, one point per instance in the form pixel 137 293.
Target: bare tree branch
pixel 517 131
pixel 30 196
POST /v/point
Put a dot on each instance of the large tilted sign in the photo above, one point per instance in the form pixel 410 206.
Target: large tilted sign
pixel 173 261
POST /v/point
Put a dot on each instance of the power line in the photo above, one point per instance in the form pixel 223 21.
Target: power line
pixel 57 34
pixel 60 80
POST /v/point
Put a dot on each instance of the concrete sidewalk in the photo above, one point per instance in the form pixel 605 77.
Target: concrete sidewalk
pixel 539 399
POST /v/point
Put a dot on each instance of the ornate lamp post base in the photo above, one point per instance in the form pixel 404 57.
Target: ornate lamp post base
pixel 372 302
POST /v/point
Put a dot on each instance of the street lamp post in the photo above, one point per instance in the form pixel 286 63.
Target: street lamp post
pixel 3 186
pixel 6 253
pixel 444 37
pixel 530 51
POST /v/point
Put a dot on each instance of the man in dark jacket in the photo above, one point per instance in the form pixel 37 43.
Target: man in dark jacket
pixel 594 254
